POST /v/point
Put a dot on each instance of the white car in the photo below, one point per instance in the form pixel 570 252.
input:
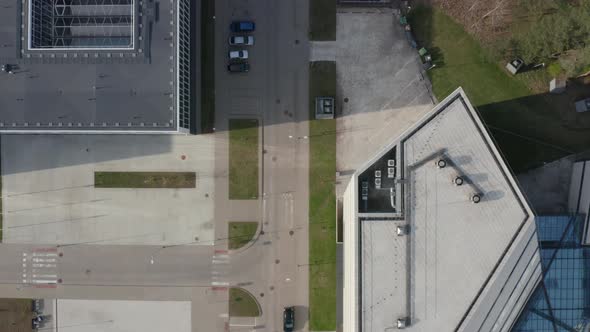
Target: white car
pixel 583 105
pixel 241 40
pixel 241 54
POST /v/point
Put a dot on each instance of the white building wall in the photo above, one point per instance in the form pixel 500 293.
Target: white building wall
pixel 351 271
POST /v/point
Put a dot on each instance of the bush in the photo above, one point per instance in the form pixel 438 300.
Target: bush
pixel 554 69
pixel 563 35
pixel 576 62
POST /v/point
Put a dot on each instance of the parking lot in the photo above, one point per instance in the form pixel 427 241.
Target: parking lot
pixel 380 85
pixel 58 204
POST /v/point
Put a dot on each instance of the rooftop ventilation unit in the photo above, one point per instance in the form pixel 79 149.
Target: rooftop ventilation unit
pixel 441 163
pixel 475 198
pixel 402 230
pixel 458 180
pixel 402 323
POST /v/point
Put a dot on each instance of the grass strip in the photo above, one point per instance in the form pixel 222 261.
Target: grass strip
pixel 322 203
pixel 322 20
pixel 242 303
pixel 1 207
pixel 243 159
pixel 241 233
pixel 145 179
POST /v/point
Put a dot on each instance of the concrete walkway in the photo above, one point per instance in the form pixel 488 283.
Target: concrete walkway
pixel 323 51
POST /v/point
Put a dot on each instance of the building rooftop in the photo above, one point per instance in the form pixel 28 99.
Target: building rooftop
pixel 465 238
pixel 93 66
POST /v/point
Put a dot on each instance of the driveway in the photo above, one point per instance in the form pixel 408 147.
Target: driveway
pixel 381 87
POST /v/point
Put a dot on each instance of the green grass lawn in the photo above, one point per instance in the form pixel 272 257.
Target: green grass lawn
pixel 322 203
pixel 322 20
pixel 145 179
pixel 207 66
pixel 243 159
pixel 1 213
pixel 240 233
pixel 242 303
pixel 529 128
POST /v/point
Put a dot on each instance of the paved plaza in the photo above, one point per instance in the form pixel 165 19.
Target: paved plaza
pixel 58 204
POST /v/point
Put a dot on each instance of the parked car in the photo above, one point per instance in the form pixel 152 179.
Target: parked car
pixel 241 40
pixel 242 26
pixel 583 105
pixel 241 54
pixel 238 67
pixel 289 319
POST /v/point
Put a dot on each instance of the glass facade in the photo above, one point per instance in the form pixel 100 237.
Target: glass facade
pixel 561 301
pixel 184 64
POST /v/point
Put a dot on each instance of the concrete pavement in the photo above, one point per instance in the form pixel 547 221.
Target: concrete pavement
pixel 49 197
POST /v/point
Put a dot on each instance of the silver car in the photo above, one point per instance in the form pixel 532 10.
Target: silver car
pixel 241 40
pixel 241 54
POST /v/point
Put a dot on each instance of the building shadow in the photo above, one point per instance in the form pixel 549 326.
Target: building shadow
pixel 534 130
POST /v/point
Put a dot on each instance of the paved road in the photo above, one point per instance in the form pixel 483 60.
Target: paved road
pixel 275 91
pixel 105 265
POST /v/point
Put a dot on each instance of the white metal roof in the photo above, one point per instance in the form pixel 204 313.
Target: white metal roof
pixel 459 255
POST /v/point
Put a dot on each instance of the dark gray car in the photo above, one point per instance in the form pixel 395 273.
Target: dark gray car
pixel 238 67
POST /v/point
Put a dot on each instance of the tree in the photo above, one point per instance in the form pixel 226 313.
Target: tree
pixel 553 35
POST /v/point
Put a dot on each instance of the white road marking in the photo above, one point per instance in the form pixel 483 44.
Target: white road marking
pixel 41 260
pixel 41 281
pixel 45 276
pixel 220 283
pixel 44 265
pixel 37 254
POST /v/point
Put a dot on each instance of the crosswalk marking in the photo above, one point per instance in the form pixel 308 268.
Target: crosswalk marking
pixel 220 262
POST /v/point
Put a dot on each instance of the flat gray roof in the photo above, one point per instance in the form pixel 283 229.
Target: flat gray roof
pixel 91 90
pixel 436 274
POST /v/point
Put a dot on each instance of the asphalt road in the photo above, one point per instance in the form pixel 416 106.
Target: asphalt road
pixel 105 265
pixel 275 91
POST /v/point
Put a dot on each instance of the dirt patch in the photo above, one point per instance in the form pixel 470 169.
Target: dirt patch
pixel 15 315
